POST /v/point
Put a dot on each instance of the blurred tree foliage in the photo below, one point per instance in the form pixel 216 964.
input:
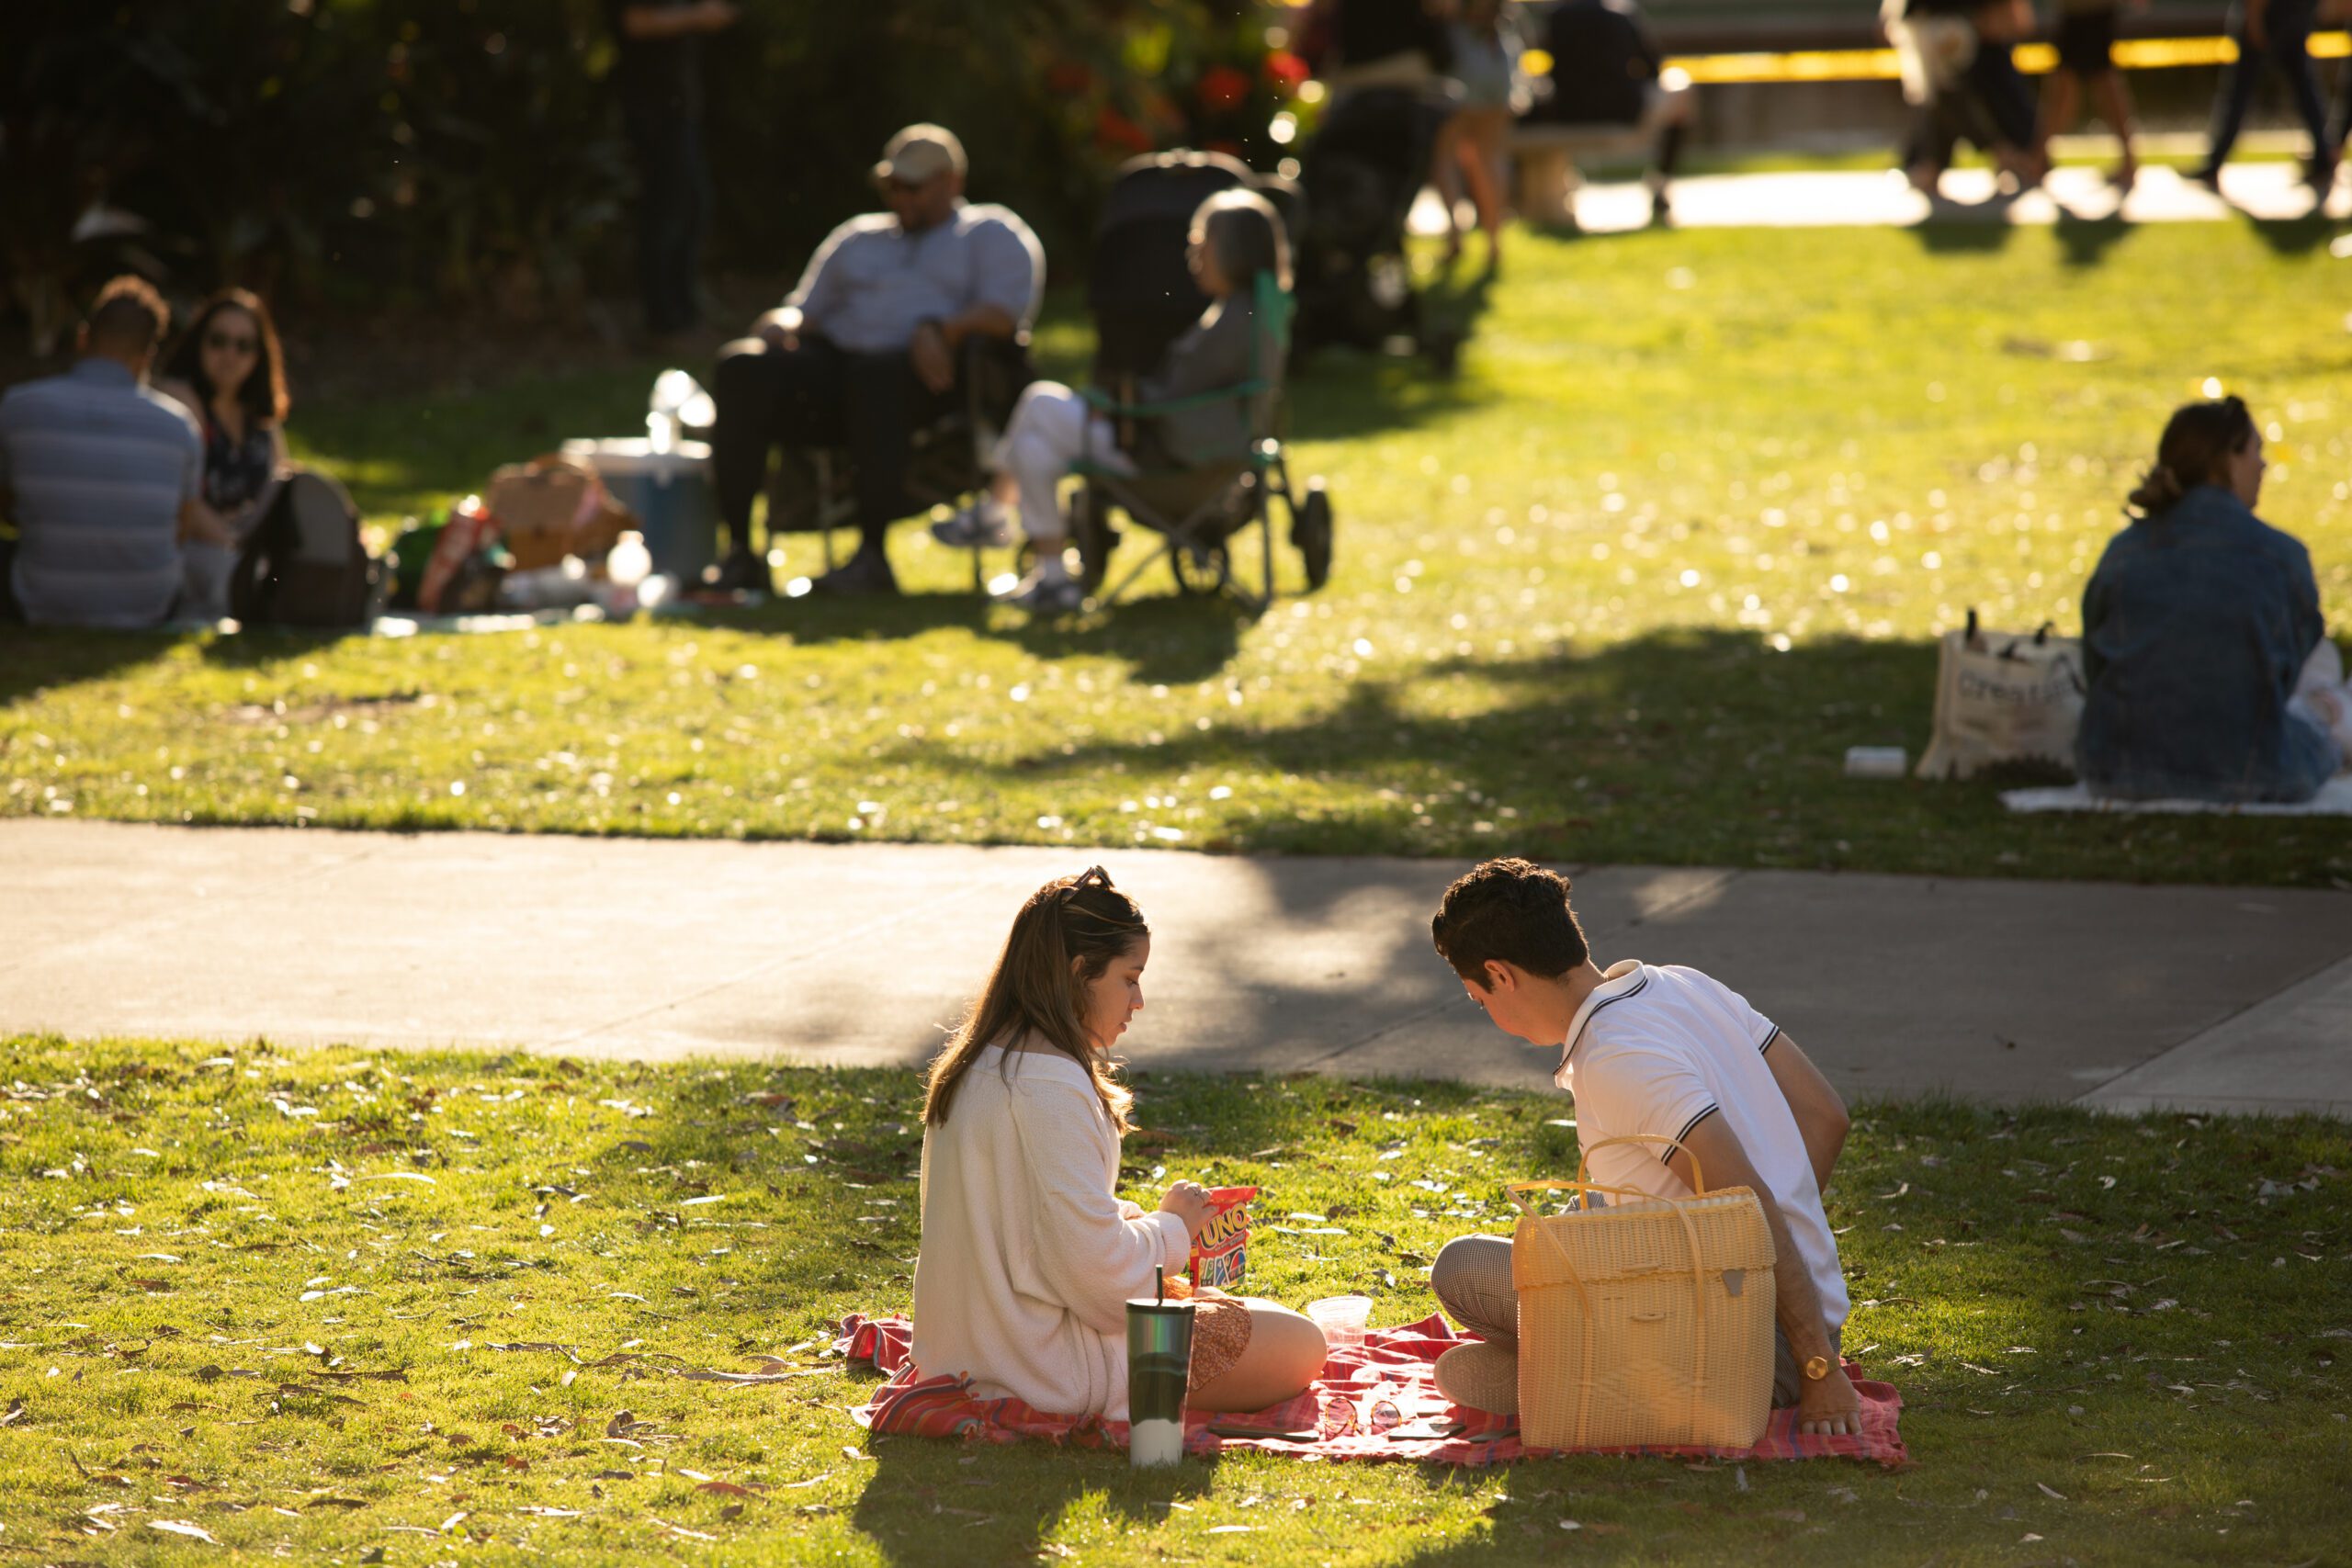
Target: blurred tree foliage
pixel 370 153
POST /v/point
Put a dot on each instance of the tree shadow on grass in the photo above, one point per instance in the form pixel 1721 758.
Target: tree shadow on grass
pixel 1162 637
pixel 933 1503
pixel 33 661
pixel 1682 747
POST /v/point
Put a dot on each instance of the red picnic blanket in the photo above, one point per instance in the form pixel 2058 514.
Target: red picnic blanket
pixel 1395 1365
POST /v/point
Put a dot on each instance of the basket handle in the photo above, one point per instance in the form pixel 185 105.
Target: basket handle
pixel 1515 1188
pixel 1698 1189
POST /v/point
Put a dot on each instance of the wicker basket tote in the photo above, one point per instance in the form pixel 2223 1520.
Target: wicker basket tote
pixel 1649 1321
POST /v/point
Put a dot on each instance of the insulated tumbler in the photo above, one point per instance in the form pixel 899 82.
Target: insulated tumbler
pixel 1160 1362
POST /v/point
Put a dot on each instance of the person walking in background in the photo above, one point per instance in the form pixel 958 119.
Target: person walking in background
pixel 659 74
pixel 2271 33
pixel 227 370
pixel 102 475
pixel 1959 74
pixel 1472 147
pixel 2085 41
pixel 1607 68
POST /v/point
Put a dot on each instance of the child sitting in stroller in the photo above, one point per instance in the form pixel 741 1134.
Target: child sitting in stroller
pixel 1236 236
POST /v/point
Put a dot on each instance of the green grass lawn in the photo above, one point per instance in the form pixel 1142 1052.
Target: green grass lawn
pixel 344 1308
pixel 1682 530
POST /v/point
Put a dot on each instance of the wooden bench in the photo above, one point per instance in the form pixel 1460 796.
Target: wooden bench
pixel 1544 163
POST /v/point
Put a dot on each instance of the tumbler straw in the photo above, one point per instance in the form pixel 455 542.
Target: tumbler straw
pixel 1159 1283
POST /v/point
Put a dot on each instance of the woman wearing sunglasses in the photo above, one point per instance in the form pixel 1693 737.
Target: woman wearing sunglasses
pixel 1029 1255
pixel 228 370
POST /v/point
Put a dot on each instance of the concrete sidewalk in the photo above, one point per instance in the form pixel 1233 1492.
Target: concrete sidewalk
pixel 1999 990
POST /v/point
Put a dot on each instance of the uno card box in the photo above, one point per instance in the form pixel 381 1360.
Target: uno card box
pixel 1220 1254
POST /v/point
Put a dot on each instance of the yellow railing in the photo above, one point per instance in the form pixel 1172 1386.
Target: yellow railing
pixel 1878 65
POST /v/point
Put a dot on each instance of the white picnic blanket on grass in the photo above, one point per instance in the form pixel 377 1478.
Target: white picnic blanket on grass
pixel 2335 800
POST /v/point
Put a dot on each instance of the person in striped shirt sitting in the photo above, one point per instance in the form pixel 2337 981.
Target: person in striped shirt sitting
pixel 102 476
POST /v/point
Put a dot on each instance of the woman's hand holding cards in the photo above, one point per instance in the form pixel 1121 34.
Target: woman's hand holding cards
pixel 1189 1201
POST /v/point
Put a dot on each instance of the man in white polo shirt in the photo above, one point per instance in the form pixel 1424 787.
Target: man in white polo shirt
pixel 1652 1050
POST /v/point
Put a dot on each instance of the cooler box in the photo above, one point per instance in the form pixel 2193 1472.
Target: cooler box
pixel 669 491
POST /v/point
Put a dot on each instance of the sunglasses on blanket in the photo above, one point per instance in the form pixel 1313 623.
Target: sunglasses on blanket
pixel 1341 1418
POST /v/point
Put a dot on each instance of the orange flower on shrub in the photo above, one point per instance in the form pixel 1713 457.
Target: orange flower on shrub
pixel 1286 70
pixel 1222 87
pixel 1115 132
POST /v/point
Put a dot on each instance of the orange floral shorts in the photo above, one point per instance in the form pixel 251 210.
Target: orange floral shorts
pixel 1220 1334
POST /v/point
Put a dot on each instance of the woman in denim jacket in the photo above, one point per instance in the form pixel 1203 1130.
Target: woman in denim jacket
pixel 2208 676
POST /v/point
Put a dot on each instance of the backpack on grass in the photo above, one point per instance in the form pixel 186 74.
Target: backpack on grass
pixel 303 564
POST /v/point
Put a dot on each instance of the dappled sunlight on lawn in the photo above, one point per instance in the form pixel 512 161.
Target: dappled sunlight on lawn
pixel 321 1302
pixel 1684 527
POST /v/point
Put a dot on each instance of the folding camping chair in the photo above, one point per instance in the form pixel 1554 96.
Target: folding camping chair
pixel 1198 512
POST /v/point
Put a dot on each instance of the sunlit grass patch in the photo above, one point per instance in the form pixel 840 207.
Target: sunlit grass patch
pixel 508 1309
pixel 1682 530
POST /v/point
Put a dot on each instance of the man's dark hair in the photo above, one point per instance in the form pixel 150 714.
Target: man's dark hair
pixel 128 316
pixel 1513 910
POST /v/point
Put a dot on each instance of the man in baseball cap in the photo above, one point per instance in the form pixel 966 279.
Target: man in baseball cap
pixel 919 154
pixel 867 348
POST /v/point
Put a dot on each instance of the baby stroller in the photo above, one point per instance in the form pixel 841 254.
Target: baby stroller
pixel 1143 298
pixel 1360 176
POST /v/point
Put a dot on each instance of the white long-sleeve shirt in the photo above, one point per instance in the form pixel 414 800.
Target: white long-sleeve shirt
pixel 1028 1258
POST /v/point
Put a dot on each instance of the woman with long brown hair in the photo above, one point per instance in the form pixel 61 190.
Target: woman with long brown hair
pixel 228 371
pixel 1029 1255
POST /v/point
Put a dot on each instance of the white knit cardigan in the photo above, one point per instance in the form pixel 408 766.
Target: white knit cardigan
pixel 1028 1258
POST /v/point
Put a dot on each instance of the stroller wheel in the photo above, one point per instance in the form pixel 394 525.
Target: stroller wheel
pixel 1200 569
pixel 1310 531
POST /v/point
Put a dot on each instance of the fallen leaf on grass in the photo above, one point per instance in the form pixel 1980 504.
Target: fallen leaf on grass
pixel 181 1527
pixel 2048 1492
pixel 681 1531
pixel 728 1489
pixel 546 1513
pixel 1231 1529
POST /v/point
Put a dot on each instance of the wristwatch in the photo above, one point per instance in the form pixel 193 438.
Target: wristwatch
pixel 1817 1368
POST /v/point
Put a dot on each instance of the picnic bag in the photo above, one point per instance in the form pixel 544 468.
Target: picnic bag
pixel 1648 1321
pixel 2004 697
pixel 303 565
pixel 555 506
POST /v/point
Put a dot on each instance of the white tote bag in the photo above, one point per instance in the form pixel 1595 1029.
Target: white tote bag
pixel 2004 697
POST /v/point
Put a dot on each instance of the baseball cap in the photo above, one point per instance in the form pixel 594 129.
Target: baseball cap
pixel 920 152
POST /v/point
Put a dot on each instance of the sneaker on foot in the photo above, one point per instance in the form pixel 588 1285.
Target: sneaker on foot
pixel 979 522
pixel 1042 595
pixel 1481 1375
